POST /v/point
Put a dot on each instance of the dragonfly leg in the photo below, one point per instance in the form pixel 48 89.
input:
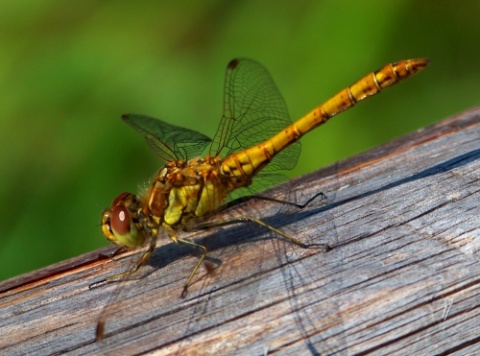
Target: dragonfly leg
pixel 145 257
pixel 243 219
pixel 100 331
pixel 280 201
pixel 174 238
pixel 195 269
pixel 236 202
pixel 273 229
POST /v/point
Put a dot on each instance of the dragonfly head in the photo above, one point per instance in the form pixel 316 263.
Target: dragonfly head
pixel 121 223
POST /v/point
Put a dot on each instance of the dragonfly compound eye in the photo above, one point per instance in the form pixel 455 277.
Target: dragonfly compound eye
pixel 121 221
pixel 119 227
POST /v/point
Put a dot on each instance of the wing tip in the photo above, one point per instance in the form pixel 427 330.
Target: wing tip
pixel 233 63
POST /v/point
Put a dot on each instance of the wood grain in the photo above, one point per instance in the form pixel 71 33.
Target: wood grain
pixel 402 277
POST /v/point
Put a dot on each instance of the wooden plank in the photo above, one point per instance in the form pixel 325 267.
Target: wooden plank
pixel 402 276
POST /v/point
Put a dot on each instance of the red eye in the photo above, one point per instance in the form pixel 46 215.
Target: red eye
pixel 120 220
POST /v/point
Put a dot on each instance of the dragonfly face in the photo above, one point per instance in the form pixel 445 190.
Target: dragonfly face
pixel 121 224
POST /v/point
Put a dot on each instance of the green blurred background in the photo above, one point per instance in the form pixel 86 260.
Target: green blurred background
pixel 70 69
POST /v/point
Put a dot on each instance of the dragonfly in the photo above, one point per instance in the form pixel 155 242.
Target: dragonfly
pixel 255 136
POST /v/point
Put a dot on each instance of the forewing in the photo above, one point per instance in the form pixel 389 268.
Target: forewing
pixel 168 141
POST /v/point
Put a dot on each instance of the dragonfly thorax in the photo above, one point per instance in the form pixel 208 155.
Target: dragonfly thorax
pixel 183 190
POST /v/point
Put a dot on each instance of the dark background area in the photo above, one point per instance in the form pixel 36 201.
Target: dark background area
pixel 69 70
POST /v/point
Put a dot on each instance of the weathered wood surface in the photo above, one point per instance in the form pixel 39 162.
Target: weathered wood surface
pixel 403 275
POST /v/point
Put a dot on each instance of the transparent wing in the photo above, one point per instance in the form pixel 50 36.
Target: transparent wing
pixel 168 141
pixel 254 110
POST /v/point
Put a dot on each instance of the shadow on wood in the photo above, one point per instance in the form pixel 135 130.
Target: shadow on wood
pixel 402 276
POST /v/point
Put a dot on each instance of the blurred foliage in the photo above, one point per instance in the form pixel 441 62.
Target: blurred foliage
pixel 70 69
